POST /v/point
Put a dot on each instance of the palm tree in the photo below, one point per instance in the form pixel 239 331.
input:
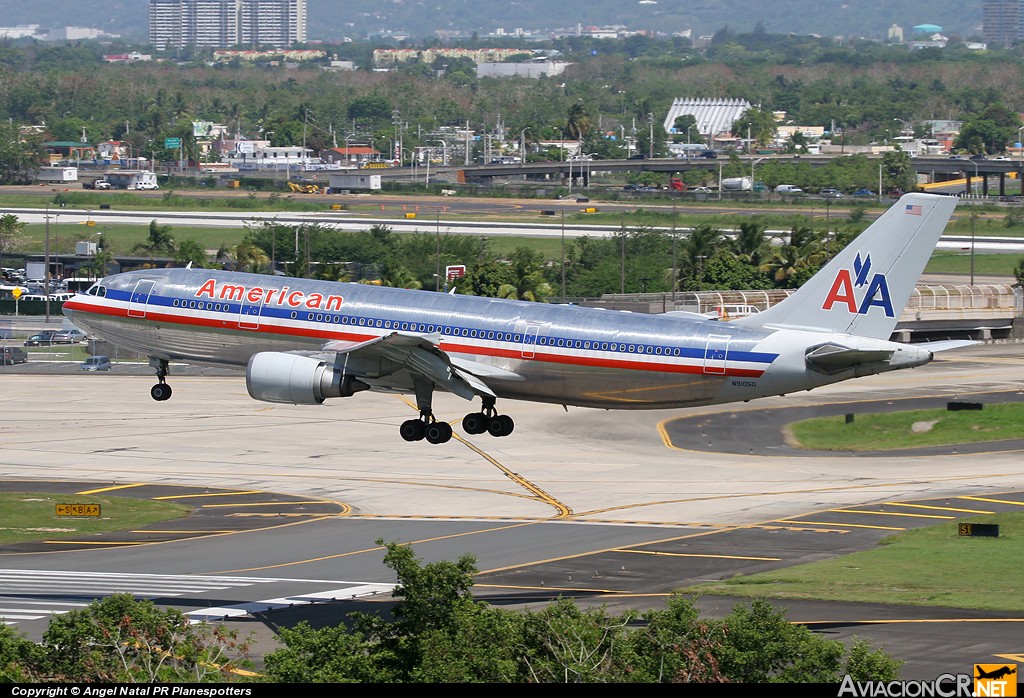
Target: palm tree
pixel 577 125
pixel 750 244
pixel 245 257
pixel 704 243
pixel 794 261
pixel 159 241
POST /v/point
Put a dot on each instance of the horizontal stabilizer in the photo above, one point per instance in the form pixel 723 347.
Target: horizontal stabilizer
pixel 833 358
pixel 947 344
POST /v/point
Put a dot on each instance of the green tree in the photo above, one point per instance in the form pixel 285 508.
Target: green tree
pixel 120 639
pixel 898 172
pixel 11 230
pixel 20 153
pixel 796 260
pixel 159 241
pixel 577 124
pixel 989 131
pixel 759 123
pixel 190 252
pixel 19 657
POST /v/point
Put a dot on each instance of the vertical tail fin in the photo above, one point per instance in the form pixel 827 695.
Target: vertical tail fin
pixel 864 289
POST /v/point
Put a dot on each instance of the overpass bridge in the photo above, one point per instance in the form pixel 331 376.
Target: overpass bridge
pixel 941 171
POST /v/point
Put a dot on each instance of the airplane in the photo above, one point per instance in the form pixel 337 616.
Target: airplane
pixel 302 341
pixel 999 673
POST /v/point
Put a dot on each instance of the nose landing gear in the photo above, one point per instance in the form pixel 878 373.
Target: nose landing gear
pixel 161 391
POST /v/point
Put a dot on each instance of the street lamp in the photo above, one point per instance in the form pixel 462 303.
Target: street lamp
pixel 650 144
pixel 753 181
pixel 700 276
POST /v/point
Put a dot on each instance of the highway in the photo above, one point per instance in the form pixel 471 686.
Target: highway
pixel 611 508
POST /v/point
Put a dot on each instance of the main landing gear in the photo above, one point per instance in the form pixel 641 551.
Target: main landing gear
pixel 161 391
pixel 488 420
pixel 427 427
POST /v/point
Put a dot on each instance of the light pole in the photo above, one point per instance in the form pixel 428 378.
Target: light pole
pixel 650 144
pixel 700 276
pixel 828 210
pixel 753 181
pixel 522 146
pixel 46 258
pixel 974 216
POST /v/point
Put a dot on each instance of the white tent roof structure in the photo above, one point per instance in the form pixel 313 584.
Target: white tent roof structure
pixel 714 116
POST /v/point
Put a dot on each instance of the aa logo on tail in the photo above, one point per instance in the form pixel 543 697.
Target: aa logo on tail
pixel 854 290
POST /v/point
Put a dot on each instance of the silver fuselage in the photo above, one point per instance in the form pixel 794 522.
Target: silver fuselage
pixel 532 351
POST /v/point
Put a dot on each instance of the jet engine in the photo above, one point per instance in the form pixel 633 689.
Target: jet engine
pixel 297 380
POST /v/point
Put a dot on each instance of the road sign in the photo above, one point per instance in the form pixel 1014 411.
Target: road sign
pixel 78 510
pixel 172 143
pixel 16 293
pixel 455 271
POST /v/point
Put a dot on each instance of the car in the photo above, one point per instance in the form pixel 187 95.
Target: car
pixel 68 337
pixel 863 192
pixel 97 363
pixel 12 355
pixel 41 339
pixel 955 157
pixel 146 186
pixel 700 190
pixel 638 156
pixel 709 154
pixel 832 193
pixel 1001 157
pixel 979 156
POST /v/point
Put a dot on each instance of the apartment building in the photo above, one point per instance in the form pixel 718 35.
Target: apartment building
pixel 1001 22
pixel 175 24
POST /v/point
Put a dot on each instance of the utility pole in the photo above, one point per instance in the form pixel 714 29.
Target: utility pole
pixel 650 144
pixel 563 256
pixel 46 257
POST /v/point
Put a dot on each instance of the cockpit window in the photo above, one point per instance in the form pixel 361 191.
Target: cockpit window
pixel 97 289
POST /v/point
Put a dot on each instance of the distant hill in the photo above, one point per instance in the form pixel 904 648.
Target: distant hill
pixel 332 21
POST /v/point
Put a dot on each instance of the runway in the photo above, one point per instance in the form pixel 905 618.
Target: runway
pixel 428 218
pixel 605 506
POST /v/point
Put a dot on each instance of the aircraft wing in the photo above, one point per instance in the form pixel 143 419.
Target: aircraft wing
pixel 418 354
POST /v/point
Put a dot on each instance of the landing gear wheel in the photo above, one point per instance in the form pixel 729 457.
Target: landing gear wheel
pixel 475 423
pixel 438 432
pixel 160 392
pixel 413 430
pixel 500 425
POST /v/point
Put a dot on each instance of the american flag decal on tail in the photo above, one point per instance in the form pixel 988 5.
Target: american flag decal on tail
pixel 913 210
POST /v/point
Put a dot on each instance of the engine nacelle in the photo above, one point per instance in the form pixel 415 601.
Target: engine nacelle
pixel 297 380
